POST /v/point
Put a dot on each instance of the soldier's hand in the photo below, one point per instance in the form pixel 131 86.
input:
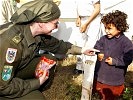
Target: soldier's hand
pixel 89 52
pixel 44 77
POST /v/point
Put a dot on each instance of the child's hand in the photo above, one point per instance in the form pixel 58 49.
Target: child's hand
pixel 100 56
pixel 109 60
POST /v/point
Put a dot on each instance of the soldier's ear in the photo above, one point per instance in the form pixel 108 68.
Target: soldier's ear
pixel 41 25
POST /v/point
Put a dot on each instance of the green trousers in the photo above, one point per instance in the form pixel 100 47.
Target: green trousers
pixel 34 95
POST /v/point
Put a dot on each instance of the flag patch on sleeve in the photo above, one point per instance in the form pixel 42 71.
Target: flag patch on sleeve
pixel 6 73
pixel 10 55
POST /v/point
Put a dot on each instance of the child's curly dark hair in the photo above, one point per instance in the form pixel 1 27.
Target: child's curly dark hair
pixel 116 18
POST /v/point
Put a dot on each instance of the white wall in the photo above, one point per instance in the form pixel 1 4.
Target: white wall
pixel 67 27
pixel 68 9
pixel 65 31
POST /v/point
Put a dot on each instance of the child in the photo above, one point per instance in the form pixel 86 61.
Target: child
pixel 116 53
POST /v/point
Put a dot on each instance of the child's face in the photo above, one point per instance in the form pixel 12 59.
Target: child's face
pixel 111 31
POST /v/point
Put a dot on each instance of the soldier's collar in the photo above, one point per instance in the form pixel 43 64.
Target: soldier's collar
pixel 29 38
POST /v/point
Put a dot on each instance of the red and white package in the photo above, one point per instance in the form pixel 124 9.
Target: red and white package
pixel 44 65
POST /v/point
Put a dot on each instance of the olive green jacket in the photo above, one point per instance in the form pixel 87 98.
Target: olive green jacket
pixel 17 48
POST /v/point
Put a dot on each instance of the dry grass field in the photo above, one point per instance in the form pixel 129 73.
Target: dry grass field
pixel 67 85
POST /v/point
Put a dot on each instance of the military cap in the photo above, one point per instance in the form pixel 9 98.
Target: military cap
pixel 36 11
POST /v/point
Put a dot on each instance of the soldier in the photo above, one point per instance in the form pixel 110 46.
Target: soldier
pixel 23 42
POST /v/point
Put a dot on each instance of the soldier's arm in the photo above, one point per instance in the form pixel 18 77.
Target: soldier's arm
pixel 56 46
pixel 10 57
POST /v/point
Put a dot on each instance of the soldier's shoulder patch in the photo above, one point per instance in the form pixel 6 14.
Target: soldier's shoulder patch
pixel 6 73
pixel 17 38
pixel 10 55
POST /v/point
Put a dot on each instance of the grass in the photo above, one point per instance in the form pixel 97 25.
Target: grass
pixel 67 85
